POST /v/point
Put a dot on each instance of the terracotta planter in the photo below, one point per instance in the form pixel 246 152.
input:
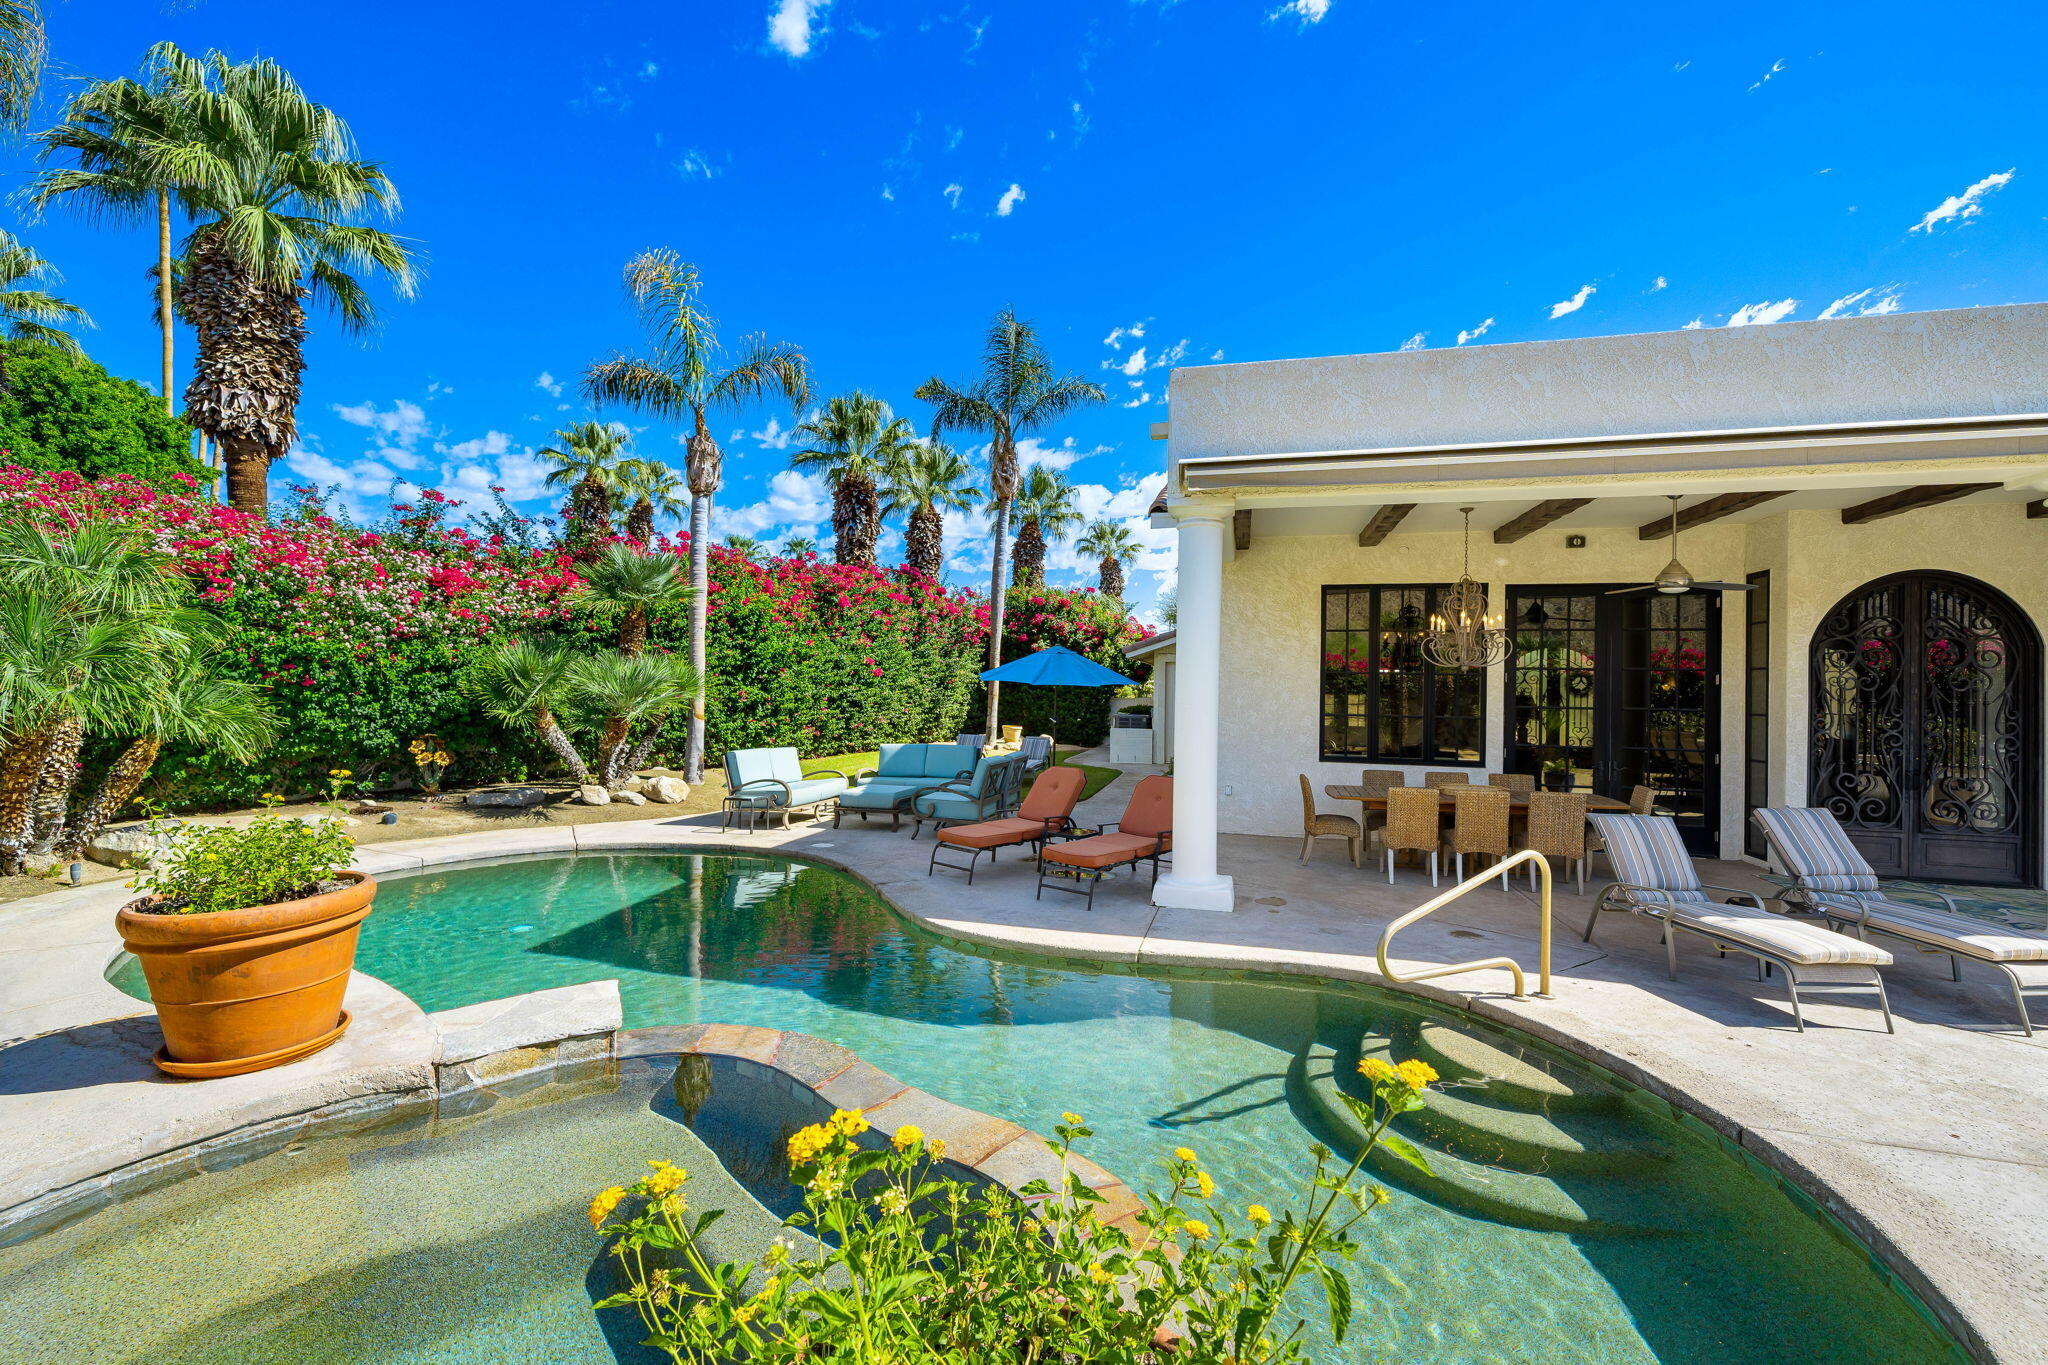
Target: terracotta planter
pixel 243 990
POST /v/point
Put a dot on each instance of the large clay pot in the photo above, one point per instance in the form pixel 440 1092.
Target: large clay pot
pixel 244 990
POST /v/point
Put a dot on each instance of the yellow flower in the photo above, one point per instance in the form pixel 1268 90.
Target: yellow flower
pixel 936 1147
pixel 808 1144
pixel 744 1313
pixel 849 1121
pixel 666 1178
pixel 1376 1069
pixel 602 1206
pixel 1197 1229
pixel 1071 1117
pixel 339 772
pixel 1259 1215
pixel 1205 1184
pixel 1380 1195
pixel 907 1137
pixel 1099 1275
pixel 444 758
pixel 1183 1154
pixel 1418 1075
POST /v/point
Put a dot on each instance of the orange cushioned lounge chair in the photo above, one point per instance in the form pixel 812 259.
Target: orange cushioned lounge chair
pixel 1048 808
pixel 1145 832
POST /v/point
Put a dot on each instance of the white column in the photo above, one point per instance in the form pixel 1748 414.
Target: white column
pixel 1194 883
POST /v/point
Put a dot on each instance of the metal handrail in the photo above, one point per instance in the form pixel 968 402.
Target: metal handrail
pixel 1527 855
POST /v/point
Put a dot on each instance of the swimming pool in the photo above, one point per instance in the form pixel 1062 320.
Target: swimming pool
pixel 1156 1059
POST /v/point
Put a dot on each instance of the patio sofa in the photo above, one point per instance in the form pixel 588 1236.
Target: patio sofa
pixel 991 790
pixel 772 781
pixel 901 772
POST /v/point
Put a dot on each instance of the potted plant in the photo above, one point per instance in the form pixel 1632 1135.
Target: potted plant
pixel 1559 775
pixel 247 937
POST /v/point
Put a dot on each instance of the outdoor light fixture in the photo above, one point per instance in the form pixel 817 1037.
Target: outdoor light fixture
pixel 1461 635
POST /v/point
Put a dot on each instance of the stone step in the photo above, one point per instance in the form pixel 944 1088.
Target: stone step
pixel 1511 1079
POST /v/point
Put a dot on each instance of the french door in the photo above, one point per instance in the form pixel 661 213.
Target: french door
pixel 1621 692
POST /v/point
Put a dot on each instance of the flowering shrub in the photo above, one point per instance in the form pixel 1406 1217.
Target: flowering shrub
pixel 1084 621
pixel 210 868
pixel 911 1263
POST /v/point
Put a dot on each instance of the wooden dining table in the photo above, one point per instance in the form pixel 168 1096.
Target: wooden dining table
pixel 1518 805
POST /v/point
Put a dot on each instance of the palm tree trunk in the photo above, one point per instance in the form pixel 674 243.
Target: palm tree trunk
pixel 552 735
pixel 995 613
pixel 703 477
pixel 925 542
pixel 245 388
pixel 163 290
pixel 121 783
pixel 633 632
pixel 640 521
pixel 59 776
pixel 1028 558
pixel 21 767
pixel 1112 576
pixel 855 521
pixel 611 747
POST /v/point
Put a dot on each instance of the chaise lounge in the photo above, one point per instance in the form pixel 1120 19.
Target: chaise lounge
pixel 1144 833
pixel 1048 808
pixel 1656 879
pixel 902 771
pixel 772 781
pixel 1831 879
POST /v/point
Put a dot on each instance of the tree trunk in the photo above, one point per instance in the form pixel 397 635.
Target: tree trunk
pixel 120 784
pixel 633 632
pixel 552 735
pixel 995 615
pixel 702 472
pixel 1027 559
pixel 21 767
pixel 588 517
pixel 1112 576
pixel 855 521
pixel 245 388
pixel 611 747
pixel 640 522
pixel 163 294
pixel 52 799
pixel 925 542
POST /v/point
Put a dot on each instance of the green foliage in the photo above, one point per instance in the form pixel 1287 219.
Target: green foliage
pixel 1087 623
pixel 210 868
pixel 60 412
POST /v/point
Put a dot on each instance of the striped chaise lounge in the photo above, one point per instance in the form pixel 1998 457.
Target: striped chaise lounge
pixel 1654 877
pixel 1830 878
pixel 1048 808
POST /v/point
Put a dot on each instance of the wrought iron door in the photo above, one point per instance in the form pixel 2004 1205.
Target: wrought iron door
pixel 1925 728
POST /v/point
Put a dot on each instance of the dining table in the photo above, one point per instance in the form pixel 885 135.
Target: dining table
pixel 1518 805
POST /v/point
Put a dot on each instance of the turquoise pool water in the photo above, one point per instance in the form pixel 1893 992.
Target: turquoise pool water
pixel 1154 1060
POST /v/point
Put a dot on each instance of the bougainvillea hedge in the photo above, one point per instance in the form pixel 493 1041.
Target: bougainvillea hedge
pixel 363 638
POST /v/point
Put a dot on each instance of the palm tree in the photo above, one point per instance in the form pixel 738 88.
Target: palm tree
pixel 22 45
pixel 32 314
pixel 688 375
pixel 107 130
pixel 276 193
pixel 1045 514
pixel 854 440
pixel 1016 393
pixel 651 487
pixel 1112 543
pixel 527 684
pixel 928 481
pixel 589 461
pixel 614 694
pixel 746 545
pixel 632 585
pixel 796 547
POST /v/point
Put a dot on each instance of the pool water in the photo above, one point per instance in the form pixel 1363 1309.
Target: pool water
pixel 1154 1059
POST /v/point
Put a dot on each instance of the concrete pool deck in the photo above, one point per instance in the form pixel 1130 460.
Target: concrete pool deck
pixel 1929 1145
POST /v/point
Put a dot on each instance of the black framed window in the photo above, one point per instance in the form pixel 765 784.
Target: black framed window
pixel 1756 709
pixel 1382 702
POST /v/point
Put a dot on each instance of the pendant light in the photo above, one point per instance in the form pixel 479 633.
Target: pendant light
pixel 1461 635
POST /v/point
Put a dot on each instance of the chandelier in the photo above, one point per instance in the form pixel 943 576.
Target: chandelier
pixel 1460 633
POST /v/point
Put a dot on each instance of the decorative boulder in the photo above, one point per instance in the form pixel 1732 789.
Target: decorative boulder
pixel 593 795
pixel 136 845
pixel 631 784
pixel 629 798
pixel 508 796
pixel 668 791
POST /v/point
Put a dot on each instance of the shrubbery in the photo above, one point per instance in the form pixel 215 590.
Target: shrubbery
pixel 60 412
pixel 1084 621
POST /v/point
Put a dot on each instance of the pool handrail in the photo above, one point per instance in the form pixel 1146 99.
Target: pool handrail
pixel 1527 855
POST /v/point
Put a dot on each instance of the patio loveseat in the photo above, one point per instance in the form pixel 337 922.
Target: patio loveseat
pixel 772 781
pixel 901 771
pixel 991 790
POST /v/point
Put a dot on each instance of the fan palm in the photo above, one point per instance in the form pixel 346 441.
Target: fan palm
pixel 632 585
pixel 523 684
pixel 651 488
pixel 1045 515
pixel 1112 543
pixel 1018 392
pixel 926 482
pixel 854 440
pixel 22 46
pixel 617 695
pixel 276 193
pixel 686 375
pixel 589 461
pixel 746 545
pixel 31 314
pixel 796 547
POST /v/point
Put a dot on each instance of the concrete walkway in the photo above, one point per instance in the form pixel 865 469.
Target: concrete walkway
pixel 1930 1144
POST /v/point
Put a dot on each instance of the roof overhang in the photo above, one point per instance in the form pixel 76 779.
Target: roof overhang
pixel 1163 640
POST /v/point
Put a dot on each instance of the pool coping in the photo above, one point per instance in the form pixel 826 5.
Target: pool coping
pixel 1809 1176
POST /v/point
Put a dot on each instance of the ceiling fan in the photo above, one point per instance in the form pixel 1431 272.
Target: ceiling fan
pixel 1675 578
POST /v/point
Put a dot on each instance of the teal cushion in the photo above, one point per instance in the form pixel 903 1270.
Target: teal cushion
pixel 951 806
pixel 878 795
pixel 745 765
pixel 944 762
pixel 785 766
pixel 768 795
pixel 901 760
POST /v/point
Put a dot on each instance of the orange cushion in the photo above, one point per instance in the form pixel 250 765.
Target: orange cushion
pixel 1103 850
pixel 992 833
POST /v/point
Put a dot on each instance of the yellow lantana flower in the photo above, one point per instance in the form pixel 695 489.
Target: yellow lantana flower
pixel 936 1147
pixel 1205 1184
pixel 1418 1075
pixel 1098 1274
pixel 1183 1154
pixel 907 1137
pixel 1197 1229
pixel 808 1144
pixel 1377 1069
pixel 665 1178
pixel 1259 1214
pixel 1071 1117
pixel 602 1206
pixel 849 1121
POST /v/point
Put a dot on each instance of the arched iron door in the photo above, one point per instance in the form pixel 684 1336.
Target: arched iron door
pixel 1926 735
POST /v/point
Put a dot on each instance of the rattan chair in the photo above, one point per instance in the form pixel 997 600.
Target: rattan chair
pixel 1442 780
pixel 1642 801
pixel 1314 826
pixel 1557 830
pixel 1413 827
pixel 1479 825
pixel 1519 784
pixel 1378 780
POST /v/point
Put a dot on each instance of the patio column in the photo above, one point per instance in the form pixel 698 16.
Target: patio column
pixel 1194 883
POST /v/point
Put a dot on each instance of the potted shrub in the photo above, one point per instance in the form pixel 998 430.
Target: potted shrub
pixel 247 938
pixel 1558 775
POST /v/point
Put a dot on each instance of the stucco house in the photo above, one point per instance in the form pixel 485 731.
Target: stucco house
pixel 1874 485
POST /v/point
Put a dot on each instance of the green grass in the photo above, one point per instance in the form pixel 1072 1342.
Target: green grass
pixel 1094 778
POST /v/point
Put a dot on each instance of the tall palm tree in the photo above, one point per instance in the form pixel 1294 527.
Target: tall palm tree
pixel 686 374
pixel 107 131
pixel 22 47
pixel 276 194
pixel 588 460
pixel 796 547
pixel 634 586
pixel 1112 543
pixel 650 488
pixel 926 482
pixel 1045 515
pixel 854 440
pixel 746 545
pixel 1017 392
pixel 30 314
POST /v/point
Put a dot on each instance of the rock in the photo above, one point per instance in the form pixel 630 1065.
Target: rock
pixel 593 795
pixel 631 784
pixel 668 791
pixel 629 798
pixel 508 796
pixel 134 845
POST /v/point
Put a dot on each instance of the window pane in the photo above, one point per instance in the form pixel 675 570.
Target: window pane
pixel 1381 701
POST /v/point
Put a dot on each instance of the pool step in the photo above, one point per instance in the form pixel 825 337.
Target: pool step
pixel 1516 1080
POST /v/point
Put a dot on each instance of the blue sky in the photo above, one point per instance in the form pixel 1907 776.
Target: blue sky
pixel 1153 182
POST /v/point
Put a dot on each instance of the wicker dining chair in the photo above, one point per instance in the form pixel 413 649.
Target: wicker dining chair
pixel 1314 826
pixel 1442 780
pixel 1557 830
pixel 1519 784
pixel 1642 801
pixel 1413 826
pixel 1377 780
pixel 1479 825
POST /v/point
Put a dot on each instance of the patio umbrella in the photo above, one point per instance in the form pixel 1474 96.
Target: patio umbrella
pixel 1056 666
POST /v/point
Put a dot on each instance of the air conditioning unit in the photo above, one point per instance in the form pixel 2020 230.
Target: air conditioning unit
pixel 1130 738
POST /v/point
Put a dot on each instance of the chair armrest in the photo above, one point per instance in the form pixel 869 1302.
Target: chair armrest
pixel 948 787
pixel 829 772
pixel 1635 889
pixel 1749 896
pixel 747 788
pixel 1948 902
pixel 1107 825
pixel 859 773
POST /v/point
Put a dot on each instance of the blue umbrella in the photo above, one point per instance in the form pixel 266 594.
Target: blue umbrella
pixel 1056 666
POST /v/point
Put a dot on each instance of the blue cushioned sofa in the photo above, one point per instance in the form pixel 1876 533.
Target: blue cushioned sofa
pixel 990 790
pixel 772 781
pixel 902 771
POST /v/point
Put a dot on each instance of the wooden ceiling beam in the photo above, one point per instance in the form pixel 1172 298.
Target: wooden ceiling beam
pixel 1536 518
pixel 1911 499
pixel 1700 513
pixel 1241 530
pixel 1383 523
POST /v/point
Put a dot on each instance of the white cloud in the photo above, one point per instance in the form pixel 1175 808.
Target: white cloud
pixel 1144 397
pixel 1217 356
pixel 548 384
pixel 1776 67
pixel 952 193
pixel 1416 342
pixel 1962 207
pixel 694 165
pixel 1694 325
pixel 791 22
pixel 888 194
pixel 1477 332
pixel 649 70
pixel 1034 451
pixel 1134 363
pixel 1575 302
pixel 1129 504
pixel 1761 314
pixel 1307 11
pixel 793 500
pixel 404 424
pixel 1009 201
pixel 953 136
pixel 1660 283
pixel 1115 339
pixel 1170 356
pixel 770 437
pixel 1864 303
